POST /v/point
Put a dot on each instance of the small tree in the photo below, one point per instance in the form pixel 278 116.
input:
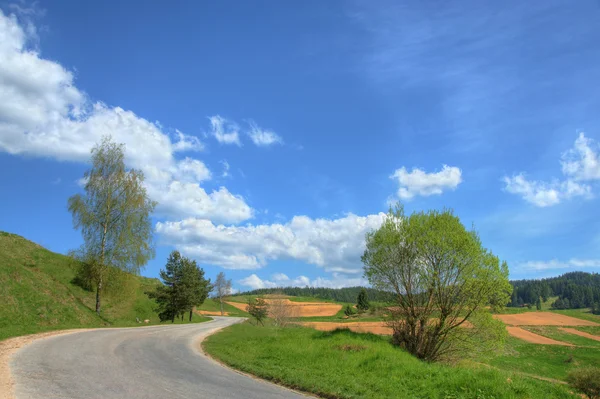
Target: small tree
pixel 586 380
pixel 281 310
pixel 222 289
pixel 114 218
pixel 442 278
pixel 258 309
pixel 362 301
pixel 538 304
pixel 349 311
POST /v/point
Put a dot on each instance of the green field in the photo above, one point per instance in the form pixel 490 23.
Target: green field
pixel 342 364
pixel 555 333
pixel 38 294
pixel 213 306
pixel 549 361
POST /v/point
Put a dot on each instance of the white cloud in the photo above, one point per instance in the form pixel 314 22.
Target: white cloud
pixel 225 169
pixel 419 182
pixel 43 114
pixel 225 131
pixel 336 243
pixel 554 264
pixel 582 162
pixel 263 137
pixel 254 282
pixel 579 164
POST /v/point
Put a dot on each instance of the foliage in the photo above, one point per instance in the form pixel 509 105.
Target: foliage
pixel 349 311
pixel 538 304
pixel 222 288
pixel 183 287
pixel 325 364
pixel 586 380
pixel 346 295
pixel 442 277
pixel 258 309
pixel 575 290
pixel 362 301
pixel 113 216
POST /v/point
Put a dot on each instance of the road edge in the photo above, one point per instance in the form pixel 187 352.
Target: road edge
pixel 199 348
pixel 10 346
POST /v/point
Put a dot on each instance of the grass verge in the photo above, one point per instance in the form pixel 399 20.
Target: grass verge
pixel 342 364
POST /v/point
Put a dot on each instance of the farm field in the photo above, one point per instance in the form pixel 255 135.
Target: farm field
pixel 300 309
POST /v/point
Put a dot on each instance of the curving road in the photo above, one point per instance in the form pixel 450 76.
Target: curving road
pixel 151 362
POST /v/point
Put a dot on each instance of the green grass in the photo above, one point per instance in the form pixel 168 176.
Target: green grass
pixel 37 294
pixel 554 333
pixel 594 330
pixel 550 361
pixel 342 364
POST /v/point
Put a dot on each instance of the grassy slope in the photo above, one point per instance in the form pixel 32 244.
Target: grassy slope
pixel 550 361
pixel 213 306
pixel 342 364
pixel 38 295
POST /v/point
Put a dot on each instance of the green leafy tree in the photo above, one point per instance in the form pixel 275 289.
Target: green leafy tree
pixel 222 289
pixel 538 304
pixel 114 218
pixel 362 301
pixel 257 308
pixel 442 278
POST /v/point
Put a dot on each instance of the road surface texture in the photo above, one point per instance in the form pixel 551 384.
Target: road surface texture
pixel 130 363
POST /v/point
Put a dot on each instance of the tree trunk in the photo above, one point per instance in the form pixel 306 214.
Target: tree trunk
pixel 191 315
pixel 221 302
pixel 173 318
pixel 98 289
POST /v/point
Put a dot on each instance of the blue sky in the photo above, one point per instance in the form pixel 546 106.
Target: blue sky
pixel 274 134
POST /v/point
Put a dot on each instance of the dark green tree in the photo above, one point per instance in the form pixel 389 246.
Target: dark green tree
pixel 538 304
pixel 362 301
pixel 257 308
pixel 349 311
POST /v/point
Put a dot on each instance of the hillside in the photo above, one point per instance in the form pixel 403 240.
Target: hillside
pixel 38 293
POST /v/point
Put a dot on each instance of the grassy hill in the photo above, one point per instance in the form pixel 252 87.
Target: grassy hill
pixel 38 294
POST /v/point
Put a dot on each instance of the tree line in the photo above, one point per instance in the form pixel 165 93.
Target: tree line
pixel 574 290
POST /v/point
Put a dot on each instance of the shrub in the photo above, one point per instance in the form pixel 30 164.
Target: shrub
pixel 586 380
pixel 349 311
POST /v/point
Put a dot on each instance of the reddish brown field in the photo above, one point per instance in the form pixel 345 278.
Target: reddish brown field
pixel 533 338
pixel 580 333
pixel 542 319
pixel 301 309
pixel 375 327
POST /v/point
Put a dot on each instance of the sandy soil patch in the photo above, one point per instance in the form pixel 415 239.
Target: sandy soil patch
pixel 580 333
pixel 542 319
pixel 10 346
pixel 301 309
pixel 211 313
pixel 528 336
pixel 375 327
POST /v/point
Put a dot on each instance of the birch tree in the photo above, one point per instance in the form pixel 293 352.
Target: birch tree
pixel 114 217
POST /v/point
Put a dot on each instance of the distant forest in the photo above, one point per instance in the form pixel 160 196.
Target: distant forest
pixel 348 294
pixel 574 290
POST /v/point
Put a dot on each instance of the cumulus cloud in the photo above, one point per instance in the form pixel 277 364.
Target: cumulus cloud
pixel 225 131
pixel 580 164
pixel 418 182
pixel 335 244
pixel 281 280
pixel 555 264
pixel 263 137
pixel 43 113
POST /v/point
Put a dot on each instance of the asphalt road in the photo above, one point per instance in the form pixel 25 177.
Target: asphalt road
pixel 151 362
